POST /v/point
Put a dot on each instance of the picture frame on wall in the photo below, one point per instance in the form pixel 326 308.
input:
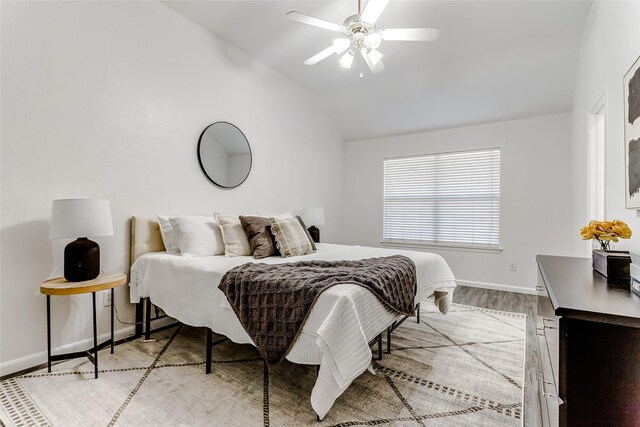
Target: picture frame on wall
pixel 632 135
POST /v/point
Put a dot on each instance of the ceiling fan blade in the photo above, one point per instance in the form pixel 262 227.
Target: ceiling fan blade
pixel 373 10
pixel 310 20
pixel 320 56
pixel 375 69
pixel 411 34
pixel 378 68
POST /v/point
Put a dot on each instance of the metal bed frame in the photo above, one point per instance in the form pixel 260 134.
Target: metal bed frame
pixel 143 310
pixel 395 326
pixel 144 319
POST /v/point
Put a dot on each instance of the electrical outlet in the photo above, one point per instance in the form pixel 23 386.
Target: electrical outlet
pixel 513 266
pixel 106 299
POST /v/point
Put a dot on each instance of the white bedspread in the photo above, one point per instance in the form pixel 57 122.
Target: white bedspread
pixel 336 334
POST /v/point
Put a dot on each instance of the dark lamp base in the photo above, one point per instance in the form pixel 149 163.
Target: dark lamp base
pixel 314 232
pixel 81 260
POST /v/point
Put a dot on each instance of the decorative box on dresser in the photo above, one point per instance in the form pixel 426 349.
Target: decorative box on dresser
pixel 589 346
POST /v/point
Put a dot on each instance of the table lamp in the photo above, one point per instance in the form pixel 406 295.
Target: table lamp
pixel 79 218
pixel 314 216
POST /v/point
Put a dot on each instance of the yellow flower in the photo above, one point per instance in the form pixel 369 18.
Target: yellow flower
pixel 621 229
pixel 605 230
pixel 586 233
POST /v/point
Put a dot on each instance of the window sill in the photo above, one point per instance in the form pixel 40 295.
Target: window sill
pixel 419 246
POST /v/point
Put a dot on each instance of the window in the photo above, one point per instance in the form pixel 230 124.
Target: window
pixel 448 199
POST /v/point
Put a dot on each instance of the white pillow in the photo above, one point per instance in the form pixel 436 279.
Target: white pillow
pixel 169 236
pixel 197 235
pixel 236 242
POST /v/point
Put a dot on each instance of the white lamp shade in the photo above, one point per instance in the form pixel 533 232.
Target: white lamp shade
pixel 72 218
pixel 313 216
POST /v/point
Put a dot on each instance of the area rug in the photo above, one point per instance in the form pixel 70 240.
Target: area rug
pixel 465 368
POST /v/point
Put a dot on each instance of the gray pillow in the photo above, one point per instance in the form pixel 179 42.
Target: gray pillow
pixel 258 231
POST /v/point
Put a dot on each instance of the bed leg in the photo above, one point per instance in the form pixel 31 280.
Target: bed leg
pixel 317 373
pixel 139 321
pixel 207 363
pixel 380 346
pixel 418 313
pixel 389 340
pixel 147 332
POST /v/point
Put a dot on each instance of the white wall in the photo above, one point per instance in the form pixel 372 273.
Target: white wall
pixel 535 193
pixel 609 47
pixel 107 100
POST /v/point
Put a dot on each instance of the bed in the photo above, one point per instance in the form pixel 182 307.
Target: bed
pixel 338 332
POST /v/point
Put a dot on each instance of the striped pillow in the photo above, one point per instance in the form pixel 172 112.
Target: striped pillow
pixel 291 238
pixel 306 231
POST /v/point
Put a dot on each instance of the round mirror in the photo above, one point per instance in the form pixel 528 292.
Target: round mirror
pixel 224 154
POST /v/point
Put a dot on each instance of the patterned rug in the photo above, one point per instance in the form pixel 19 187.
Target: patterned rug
pixel 465 368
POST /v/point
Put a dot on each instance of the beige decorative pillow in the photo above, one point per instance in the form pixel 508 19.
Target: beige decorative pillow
pixel 236 242
pixel 291 238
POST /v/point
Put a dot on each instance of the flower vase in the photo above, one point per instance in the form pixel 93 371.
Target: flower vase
pixel 614 265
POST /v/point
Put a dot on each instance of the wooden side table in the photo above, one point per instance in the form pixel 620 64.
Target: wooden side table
pixel 60 286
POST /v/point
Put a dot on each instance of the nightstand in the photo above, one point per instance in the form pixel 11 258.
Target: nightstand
pixel 60 286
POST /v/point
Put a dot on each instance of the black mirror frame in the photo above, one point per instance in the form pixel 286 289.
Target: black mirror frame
pixel 202 166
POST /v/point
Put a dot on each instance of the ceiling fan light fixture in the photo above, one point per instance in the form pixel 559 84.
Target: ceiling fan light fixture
pixel 347 59
pixel 358 33
pixel 372 40
pixel 375 56
pixel 340 45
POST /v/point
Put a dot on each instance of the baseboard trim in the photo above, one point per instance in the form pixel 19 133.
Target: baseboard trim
pixel 27 362
pixel 10 367
pixel 497 287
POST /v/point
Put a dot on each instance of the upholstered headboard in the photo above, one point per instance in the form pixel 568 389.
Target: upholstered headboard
pixel 145 236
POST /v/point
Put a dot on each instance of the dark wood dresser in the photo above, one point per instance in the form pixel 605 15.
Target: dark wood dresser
pixel 589 346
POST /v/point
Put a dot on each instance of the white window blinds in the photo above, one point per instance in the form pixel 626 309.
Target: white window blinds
pixel 449 199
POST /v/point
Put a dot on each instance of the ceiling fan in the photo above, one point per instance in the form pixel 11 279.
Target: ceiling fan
pixel 358 33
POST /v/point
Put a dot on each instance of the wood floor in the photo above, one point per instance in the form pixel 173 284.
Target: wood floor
pixel 521 303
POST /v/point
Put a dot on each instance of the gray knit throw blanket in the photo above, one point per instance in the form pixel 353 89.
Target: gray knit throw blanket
pixel 273 301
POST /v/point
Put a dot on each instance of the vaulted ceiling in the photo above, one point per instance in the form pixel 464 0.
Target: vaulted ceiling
pixel 494 60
